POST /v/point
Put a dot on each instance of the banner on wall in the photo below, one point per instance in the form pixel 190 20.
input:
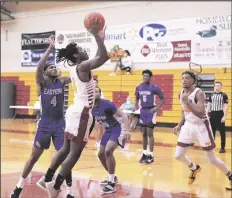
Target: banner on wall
pixel 33 46
pixel 162 52
pixel 211 51
pixel 218 26
pixel 83 39
pixel 151 42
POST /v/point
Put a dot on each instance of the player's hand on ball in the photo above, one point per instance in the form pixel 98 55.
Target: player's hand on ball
pixel 102 33
pixel 176 129
pixel 95 27
pixel 52 41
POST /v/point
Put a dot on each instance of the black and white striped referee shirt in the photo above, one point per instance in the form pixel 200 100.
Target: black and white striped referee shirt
pixel 217 101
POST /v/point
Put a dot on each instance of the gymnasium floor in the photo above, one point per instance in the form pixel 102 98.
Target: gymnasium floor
pixel 165 178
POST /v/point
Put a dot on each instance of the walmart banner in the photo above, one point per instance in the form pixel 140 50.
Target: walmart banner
pixel 33 47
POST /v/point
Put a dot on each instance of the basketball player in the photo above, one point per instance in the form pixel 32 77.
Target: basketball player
pixel 79 119
pixel 116 132
pixel 50 89
pixel 195 124
pixel 146 93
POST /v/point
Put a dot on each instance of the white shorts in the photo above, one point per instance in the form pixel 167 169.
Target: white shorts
pixel 202 132
pixel 79 122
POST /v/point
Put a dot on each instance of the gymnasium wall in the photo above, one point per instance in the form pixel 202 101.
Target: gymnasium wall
pixel 116 13
pixel 115 88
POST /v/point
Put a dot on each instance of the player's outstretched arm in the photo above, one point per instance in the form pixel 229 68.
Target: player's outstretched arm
pixel 102 36
pixel 101 56
pixel 43 60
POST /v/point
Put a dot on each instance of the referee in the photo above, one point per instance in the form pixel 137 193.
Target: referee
pixel 218 107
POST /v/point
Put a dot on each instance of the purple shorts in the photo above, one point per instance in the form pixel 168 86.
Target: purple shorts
pixel 147 118
pixel 113 134
pixel 50 130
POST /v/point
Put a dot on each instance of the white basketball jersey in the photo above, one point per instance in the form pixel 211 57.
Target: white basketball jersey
pixel 189 116
pixel 84 91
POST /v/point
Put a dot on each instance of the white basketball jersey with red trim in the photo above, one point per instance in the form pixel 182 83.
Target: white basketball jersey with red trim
pixel 84 91
pixel 188 114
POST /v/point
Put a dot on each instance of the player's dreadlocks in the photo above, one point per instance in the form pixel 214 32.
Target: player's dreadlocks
pixel 66 54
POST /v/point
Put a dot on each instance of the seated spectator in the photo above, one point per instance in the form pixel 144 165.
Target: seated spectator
pixel 135 118
pixel 125 64
pixel 128 108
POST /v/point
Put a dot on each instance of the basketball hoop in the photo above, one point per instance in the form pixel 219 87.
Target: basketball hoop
pixel 197 68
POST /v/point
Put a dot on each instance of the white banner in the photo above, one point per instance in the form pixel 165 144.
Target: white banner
pixel 211 51
pixel 213 26
pixel 83 39
pixel 153 41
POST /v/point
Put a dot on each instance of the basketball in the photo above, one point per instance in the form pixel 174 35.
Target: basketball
pixel 93 16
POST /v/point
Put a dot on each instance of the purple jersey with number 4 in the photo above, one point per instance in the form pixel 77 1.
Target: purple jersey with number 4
pixel 51 125
pixel 52 100
pixel 146 94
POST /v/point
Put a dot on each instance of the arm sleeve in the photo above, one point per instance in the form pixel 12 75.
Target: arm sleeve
pixel 225 98
pixel 210 99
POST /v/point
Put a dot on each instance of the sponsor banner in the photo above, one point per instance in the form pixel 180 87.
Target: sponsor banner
pixel 163 52
pixel 218 26
pixel 83 39
pixel 33 47
pixel 152 41
pixel 213 51
pixel 151 31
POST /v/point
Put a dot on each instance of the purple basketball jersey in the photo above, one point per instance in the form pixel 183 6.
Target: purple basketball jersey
pixel 104 114
pixel 52 100
pixel 146 92
pixel 51 125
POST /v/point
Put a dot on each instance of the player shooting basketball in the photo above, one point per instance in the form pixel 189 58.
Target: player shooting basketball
pixel 79 119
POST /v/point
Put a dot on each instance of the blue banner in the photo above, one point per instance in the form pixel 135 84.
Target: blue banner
pixel 33 47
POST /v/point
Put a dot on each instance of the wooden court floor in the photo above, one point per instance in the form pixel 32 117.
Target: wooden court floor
pixel 165 178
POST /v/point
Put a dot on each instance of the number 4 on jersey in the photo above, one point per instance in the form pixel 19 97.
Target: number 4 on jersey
pixel 53 101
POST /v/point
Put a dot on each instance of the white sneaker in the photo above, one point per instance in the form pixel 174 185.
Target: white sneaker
pixel 41 183
pixel 69 192
pixel 52 192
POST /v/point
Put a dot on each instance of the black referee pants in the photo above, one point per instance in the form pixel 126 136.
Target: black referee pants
pixel 215 121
